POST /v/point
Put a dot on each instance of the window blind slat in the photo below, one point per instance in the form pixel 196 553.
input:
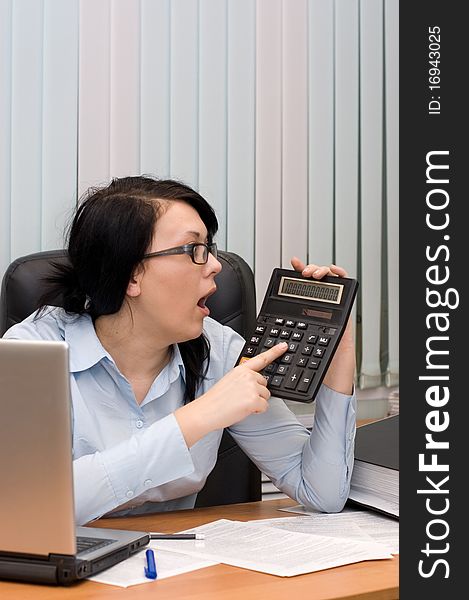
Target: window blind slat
pixel 371 58
pixel 60 119
pixel 391 72
pixel 155 87
pixel 26 126
pixel 184 103
pixel 124 139
pixel 294 131
pixel 240 143
pixel 5 128
pixel 268 241
pixel 321 131
pixel 213 109
pixel 94 93
pixel 346 135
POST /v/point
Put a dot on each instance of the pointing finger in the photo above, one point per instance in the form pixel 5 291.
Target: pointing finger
pixel 259 362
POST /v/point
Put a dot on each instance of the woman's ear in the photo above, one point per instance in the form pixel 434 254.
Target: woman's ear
pixel 133 287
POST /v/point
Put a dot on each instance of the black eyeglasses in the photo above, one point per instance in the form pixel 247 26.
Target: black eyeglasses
pixel 198 252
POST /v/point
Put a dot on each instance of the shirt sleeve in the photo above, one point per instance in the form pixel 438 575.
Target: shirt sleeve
pixel 30 329
pixel 112 477
pixel 314 468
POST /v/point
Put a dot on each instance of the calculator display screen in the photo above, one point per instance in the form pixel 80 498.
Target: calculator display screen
pixel 320 291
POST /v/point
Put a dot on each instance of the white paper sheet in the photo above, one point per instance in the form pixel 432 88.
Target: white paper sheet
pixel 382 529
pixel 131 571
pixel 272 550
pixel 333 528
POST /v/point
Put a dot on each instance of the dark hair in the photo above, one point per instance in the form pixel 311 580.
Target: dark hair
pixel 110 232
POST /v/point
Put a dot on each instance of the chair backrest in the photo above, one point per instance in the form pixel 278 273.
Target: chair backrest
pixel 235 478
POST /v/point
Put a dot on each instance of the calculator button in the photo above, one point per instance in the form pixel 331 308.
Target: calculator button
pixel 270 368
pixel 278 321
pixel 292 347
pixel 301 325
pixel 319 351
pixel 290 323
pixel 287 358
pixel 274 331
pixel 302 361
pixel 311 339
pixel 323 341
pixel 307 350
pixel 305 382
pixel 285 334
pixel 269 343
pixel 297 335
pixel 282 369
pixel 276 381
pixel 255 339
pixel 292 380
pixel 260 329
pixel 267 377
pixel 250 351
pixel 314 363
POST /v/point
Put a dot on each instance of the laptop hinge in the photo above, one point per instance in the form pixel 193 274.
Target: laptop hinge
pixel 57 569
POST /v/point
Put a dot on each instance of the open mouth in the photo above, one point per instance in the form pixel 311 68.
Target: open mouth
pixel 202 302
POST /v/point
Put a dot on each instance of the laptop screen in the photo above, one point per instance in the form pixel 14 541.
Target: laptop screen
pixel 36 500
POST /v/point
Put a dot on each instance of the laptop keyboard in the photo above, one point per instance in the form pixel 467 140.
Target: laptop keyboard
pixel 88 544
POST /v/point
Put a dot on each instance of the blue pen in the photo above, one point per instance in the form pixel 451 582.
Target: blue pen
pixel 150 569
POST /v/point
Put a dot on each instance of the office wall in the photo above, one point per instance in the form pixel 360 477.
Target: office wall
pixel 283 113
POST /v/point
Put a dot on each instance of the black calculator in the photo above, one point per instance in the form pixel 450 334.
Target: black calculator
pixel 311 316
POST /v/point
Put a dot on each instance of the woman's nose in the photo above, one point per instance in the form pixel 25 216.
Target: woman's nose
pixel 213 264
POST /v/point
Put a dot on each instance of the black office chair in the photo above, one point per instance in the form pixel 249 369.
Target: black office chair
pixel 235 478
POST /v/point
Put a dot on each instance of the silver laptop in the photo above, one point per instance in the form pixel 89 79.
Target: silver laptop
pixel 39 541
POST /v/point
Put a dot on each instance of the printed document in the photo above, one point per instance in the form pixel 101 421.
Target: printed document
pixel 379 527
pixel 272 550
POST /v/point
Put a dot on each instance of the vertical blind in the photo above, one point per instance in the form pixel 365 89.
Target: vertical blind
pixel 282 113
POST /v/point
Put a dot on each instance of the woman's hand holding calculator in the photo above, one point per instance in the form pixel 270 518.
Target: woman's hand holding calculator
pixel 341 372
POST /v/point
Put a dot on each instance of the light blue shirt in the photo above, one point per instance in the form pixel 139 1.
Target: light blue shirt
pixel 131 459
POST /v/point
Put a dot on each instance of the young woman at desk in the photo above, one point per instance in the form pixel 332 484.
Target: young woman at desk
pixel 152 377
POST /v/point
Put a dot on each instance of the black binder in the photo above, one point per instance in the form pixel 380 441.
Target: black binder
pixel 378 442
pixel 375 477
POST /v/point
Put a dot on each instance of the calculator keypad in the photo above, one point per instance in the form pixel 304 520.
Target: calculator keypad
pixel 304 360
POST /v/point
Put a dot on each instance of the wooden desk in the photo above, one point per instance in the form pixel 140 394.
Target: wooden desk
pixel 359 581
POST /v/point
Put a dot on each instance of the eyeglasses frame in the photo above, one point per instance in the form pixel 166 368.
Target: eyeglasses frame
pixel 186 249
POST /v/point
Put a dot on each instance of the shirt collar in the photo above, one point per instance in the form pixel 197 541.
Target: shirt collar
pixel 85 348
pixel 176 366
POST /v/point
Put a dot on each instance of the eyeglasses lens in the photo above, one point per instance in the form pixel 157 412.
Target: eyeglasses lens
pixel 200 254
pixel 201 251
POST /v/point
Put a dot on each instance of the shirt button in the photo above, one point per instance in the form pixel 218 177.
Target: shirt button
pixel 148 482
pixel 129 494
pixel 139 423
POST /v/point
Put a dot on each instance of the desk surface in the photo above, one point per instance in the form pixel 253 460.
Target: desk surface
pixel 359 581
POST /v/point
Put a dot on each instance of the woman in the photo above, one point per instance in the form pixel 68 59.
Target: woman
pixel 152 377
